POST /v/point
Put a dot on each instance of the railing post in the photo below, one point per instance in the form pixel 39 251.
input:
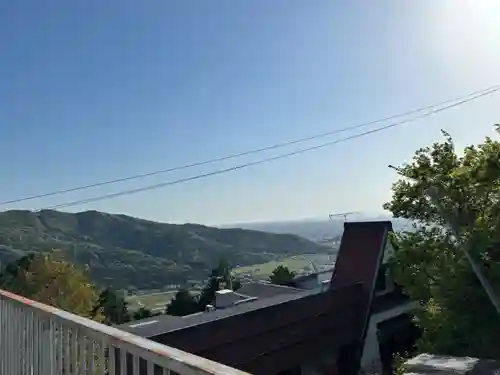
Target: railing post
pixel 36 339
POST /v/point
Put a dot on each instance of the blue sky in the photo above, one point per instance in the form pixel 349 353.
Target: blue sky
pixel 95 90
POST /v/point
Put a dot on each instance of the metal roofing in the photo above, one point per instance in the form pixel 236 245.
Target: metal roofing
pixel 265 290
pixel 230 297
pixel 321 276
pixel 165 323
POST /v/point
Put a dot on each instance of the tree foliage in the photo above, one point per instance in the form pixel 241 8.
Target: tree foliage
pixel 282 275
pixel 182 304
pixel 113 307
pixel 456 317
pixel 128 253
pixel 220 278
pixel 49 279
pixel 142 313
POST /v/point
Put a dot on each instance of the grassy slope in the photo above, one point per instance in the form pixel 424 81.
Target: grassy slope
pixel 127 252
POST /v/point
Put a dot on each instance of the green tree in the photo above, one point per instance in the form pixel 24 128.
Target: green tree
pixel 236 283
pixel 49 279
pixel 220 278
pixel 113 307
pixel 13 271
pixel 456 317
pixel 182 304
pixel 281 275
pixel 142 313
pixel 207 295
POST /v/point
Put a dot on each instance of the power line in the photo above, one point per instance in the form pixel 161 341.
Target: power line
pixel 237 155
pixel 266 160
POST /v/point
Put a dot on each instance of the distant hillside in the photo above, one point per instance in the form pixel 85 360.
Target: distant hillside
pixel 126 252
pixel 317 230
pixel 314 230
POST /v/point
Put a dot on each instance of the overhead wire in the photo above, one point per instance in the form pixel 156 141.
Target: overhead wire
pixel 278 157
pixel 246 153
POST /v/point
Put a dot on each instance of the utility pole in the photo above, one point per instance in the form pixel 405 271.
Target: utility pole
pixel 452 225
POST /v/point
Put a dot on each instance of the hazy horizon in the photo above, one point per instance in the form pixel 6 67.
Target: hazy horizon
pixel 357 216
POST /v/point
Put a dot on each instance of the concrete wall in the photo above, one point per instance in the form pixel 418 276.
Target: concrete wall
pixel 370 361
pixel 322 366
pixel 427 364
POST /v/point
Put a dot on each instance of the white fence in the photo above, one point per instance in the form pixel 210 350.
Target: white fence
pixel 36 339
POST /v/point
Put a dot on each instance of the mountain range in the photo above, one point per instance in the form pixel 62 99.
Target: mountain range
pixel 318 230
pixel 130 253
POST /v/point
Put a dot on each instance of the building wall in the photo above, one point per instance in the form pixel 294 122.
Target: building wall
pixel 370 361
pixel 322 366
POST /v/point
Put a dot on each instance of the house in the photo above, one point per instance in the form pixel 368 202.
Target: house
pixel 325 323
pixel 390 329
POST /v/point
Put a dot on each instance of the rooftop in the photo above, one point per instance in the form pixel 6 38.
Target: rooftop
pixel 274 327
pixel 266 290
pixel 166 323
pixel 252 296
pixel 321 276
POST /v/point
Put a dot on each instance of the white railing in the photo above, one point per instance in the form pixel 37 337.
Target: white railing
pixel 36 339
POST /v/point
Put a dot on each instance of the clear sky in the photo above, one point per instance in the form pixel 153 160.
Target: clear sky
pixel 93 90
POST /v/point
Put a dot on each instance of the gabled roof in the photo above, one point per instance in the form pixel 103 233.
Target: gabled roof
pixel 361 252
pixel 271 334
pixel 360 255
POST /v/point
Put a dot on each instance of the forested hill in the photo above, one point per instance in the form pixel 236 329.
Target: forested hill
pixel 123 252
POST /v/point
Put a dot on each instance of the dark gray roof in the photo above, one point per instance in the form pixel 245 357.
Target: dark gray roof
pixel 264 290
pixel 234 297
pixel 165 323
pixel 324 274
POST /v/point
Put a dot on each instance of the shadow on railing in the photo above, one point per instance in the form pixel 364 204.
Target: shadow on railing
pixel 42 340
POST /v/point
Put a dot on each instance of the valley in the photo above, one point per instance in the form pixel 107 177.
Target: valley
pixel 133 254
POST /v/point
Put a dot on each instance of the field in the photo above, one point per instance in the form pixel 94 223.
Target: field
pixel 156 301
pixel 296 264
pixel 153 301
